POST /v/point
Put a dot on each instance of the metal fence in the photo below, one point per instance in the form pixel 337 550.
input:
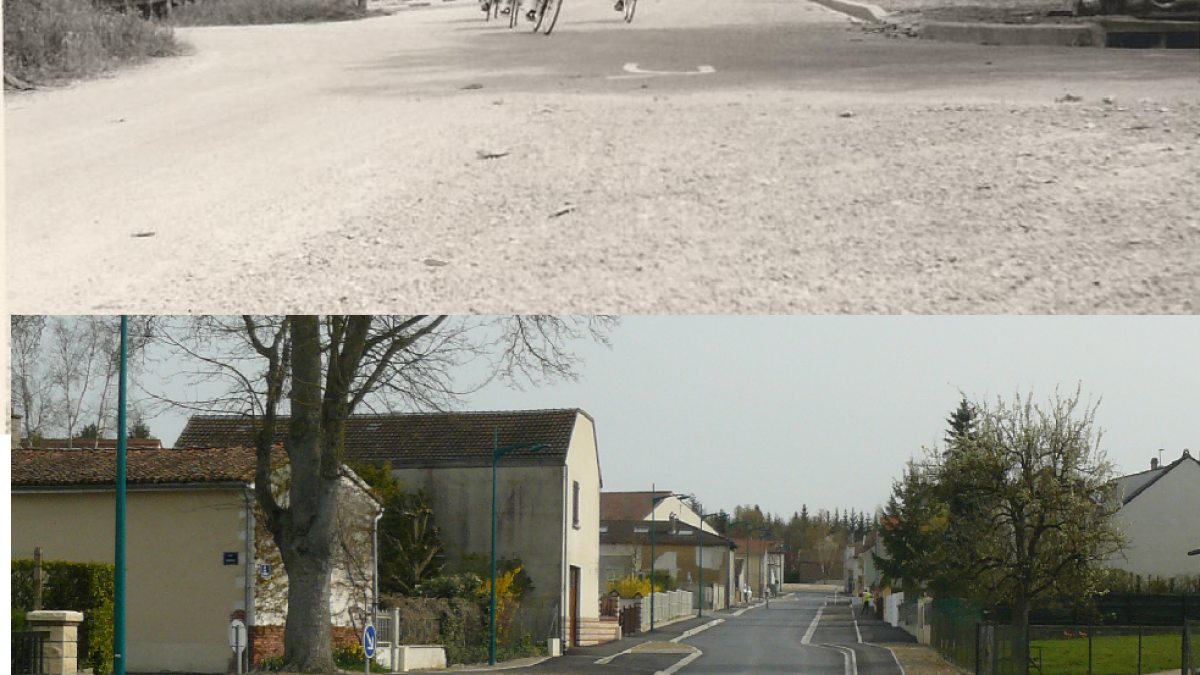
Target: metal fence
pixel 998 649
pixel 27 652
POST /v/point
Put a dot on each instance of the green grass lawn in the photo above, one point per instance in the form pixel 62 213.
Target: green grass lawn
pixel 1116 655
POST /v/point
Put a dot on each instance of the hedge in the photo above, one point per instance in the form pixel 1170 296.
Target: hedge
pixel 80 587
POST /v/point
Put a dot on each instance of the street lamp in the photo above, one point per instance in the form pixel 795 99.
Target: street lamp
pixel 654 500
pixel 762 530
pixel 497 453
pixel 701 585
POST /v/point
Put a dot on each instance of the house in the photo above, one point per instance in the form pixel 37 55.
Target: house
pixel 679 550
pixel 89 444
pixel 760 562
pixel 1158 511
pixel 195 549
pixel 548 500
pixel 625 514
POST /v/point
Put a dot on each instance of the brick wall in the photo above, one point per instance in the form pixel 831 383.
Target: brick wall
pixel 267 641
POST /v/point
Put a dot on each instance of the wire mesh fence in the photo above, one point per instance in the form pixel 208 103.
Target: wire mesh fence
pixel 968 637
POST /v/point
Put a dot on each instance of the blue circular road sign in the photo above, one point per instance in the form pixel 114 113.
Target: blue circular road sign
pixel 369 641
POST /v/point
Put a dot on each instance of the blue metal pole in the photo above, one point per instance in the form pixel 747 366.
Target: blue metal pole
pixel 119 656
pixel 492 617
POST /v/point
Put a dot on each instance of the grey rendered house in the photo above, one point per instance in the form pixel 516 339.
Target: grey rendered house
pixel 548 502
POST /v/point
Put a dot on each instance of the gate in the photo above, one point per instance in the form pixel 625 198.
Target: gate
pixel 631 618
pixel 27 653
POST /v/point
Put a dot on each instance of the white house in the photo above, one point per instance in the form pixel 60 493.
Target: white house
pixel 1161 514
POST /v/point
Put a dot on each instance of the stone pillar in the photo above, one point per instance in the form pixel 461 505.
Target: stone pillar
pixel 61 650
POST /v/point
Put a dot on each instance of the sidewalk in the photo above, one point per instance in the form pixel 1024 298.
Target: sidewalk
pixel 582 660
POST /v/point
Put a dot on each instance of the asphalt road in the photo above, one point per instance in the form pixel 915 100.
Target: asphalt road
pixel 715 156
pixel 799 632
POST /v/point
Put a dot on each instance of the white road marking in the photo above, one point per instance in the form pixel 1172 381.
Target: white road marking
pixel 897 658
pixel 850 657
pixel 682 662
pixel 607 659
pixel 856 631
pixel 812 626
pixel 634 71
pixel 698 629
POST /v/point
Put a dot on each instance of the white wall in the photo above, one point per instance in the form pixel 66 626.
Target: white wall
pixel 1163 524
pixel 583 540
pixel 674 505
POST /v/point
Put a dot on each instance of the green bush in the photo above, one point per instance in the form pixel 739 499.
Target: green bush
pixel 47 40
pixel 81 587
pixel 18 619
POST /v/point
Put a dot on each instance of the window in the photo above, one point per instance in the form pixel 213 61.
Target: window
pixel 575 507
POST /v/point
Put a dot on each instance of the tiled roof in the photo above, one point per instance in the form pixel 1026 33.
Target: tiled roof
pixel 623 532
pixel 52 468
pixel 89 444
pixel 1135 484
pixel 627 505
pixel 415 439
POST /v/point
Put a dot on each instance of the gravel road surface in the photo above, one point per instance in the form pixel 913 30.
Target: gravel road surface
pixel 817 168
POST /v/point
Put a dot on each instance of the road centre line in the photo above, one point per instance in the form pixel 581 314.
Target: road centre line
pixel 812 627
pixel 856 631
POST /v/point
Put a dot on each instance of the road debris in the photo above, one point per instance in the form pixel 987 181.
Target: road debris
pixel 143 235
pixel 493 153
pixel 1068 98
pixel 473 85
pixel 563 211
pixel 430 262
pixel 846 113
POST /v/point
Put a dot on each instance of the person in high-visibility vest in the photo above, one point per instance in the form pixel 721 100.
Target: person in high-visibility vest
pixel 866 606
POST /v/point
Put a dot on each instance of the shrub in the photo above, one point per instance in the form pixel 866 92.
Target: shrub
pixel 47 40
pixel 246 12
pixel 81 587
pixel 18 619
pixel 350 657
pixel 466 586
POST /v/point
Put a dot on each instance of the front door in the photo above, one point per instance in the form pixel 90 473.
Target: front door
pixel 573 617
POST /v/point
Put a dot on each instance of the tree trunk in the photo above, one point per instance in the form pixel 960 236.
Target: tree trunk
pixel 309 535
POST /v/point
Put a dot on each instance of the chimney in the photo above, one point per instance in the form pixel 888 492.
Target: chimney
pixel 1153 463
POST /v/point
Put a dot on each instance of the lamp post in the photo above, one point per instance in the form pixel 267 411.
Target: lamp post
pixel 120 658
pixel 751 530
pixel 654 500
pixel 701 584
pixel 497 453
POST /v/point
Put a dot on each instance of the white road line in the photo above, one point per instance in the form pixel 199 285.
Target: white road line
pixel 812 626
pixel 682 662
pixel 607 659
pixel 850 657
pixel 897 658
pixel 693 631
pixel 856 631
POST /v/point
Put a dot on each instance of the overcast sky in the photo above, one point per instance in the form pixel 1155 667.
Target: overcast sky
pixel 783 411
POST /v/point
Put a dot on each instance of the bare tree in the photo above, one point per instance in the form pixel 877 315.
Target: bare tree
pixel 319 371
pixel 29 384
pixel 65 368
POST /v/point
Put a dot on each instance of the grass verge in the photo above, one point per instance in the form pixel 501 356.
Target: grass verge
pixel 53 40
pixel 1111 655
pixel 248 12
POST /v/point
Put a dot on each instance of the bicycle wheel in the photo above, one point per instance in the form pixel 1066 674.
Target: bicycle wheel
pixel 630 7
pixel 548 16
pixel 514 13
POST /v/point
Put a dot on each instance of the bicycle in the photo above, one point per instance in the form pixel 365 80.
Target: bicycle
pixel 547 15
pixel 630 7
